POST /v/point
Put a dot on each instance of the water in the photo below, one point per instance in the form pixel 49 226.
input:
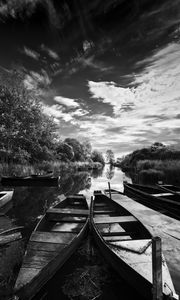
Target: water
pixel 86 275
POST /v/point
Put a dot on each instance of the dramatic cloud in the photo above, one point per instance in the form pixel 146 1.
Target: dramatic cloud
pixel 66 101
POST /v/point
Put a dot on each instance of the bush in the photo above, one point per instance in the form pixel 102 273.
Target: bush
pixel 151 176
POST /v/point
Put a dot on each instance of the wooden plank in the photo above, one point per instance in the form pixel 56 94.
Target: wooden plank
pixel 109 228
pixel 118 219
pixel 76 197
pixel 135 246
pixel 100 204
pixel 52 237
pixel 162 194
pixel 67 227
pixel 104 211
pixel 117 233
pixel 117 238
pixel 5 239
pixel 50 247
pixel 67 211
pixel 38 259
pixel 157 268
pixel 66 218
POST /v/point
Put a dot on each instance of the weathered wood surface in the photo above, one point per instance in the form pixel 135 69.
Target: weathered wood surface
pixel 118 219
pixel 52 242
pixel 161 194
pixel 52 237
pixel 68 211
pixel 5 223
pixel 5 239
pixel 113 227
pixel 160 225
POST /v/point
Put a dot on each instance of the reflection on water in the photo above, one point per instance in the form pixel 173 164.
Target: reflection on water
pixel 29 203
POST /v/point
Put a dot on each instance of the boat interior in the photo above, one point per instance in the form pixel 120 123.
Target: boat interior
pixel 115 223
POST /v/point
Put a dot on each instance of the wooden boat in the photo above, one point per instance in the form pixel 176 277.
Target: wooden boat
pixel 174 189
pixel 32 180
pixel 154 197
pixel 5 197
pixel 127 245
pixel 53 241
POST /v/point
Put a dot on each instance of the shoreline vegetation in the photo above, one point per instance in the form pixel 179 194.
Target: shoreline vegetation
pixel 153 164
pixel 57 167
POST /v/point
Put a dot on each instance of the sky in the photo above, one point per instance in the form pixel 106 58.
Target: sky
pixel 105 70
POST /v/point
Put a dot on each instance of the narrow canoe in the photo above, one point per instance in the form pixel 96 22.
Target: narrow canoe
pixel 5 197
pixel 127 245
pixel 154 197
pixel 33 180
pixel 174 189
pixel 53 241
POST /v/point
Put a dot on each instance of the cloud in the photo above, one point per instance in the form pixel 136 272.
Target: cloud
pixel 51 53
pixel 17 8
pixel 56 112
pixel 66 101
pixel 25 8
pixel 31 53
pixel 37 81
pixel 109 92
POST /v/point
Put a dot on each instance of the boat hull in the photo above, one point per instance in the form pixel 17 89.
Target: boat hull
pixel 30 290
pixel 126 244
pixel 5 197
pixel 54 240
pixel 30 181
pixel 163 205
pixel 142 286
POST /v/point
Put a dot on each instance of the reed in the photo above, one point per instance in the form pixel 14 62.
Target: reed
pixel 57 167
pixel 152 171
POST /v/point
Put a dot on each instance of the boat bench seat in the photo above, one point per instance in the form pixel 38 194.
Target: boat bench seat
pixel 104 211
pixel 162 194
pixel 115 219
pixel 110 239
pixel 52 237
pixel 118 233
pixel 54 212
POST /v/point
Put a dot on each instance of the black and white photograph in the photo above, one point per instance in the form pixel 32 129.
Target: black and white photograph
pixel 89 149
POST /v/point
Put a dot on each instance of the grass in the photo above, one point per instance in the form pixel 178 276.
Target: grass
pixel 57 167
pixel 152 171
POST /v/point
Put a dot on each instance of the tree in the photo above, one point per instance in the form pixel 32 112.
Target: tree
pixel 110 157
pixel 97 156
pixel 87 148
pixel 65 151
pixel 77 149
pixel 24 128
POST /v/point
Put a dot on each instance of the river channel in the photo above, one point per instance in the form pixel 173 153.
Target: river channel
pixel 86 275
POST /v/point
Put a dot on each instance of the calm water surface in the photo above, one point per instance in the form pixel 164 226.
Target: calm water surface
pixel 85 275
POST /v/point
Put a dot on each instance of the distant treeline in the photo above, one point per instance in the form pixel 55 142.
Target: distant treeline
pixel 155 163
pixel 28 135
pixel 156 151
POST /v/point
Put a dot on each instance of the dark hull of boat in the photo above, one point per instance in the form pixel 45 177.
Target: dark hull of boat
pixel 30 181
pixel 28 292
pixel 49 253
pixel 168 207
pixel 170 188
pixel 126 245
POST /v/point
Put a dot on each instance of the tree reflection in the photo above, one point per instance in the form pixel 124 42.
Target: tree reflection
pixel 110 172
